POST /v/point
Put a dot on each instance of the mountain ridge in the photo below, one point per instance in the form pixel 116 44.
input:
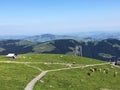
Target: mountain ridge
pixel 108 49
pixel 85 36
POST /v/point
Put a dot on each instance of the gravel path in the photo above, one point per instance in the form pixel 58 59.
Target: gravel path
pixel 31 84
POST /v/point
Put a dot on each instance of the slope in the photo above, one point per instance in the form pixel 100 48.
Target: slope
pixel 16 73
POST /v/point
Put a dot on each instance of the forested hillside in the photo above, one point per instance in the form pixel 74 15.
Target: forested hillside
pixel 108 49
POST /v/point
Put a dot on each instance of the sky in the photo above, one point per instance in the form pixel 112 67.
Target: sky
pixel 31 17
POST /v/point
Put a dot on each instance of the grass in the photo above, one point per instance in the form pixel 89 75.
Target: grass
pixel 48 66
pixel 53 58
pixel 77 79
pixel 15 76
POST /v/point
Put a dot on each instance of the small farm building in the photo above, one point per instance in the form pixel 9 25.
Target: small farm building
pixel 11 55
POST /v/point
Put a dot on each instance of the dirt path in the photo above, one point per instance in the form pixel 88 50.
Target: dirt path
pixel 47 63
pixel 31 84
pixel 113 64
pixel 77 67
pixel 20 62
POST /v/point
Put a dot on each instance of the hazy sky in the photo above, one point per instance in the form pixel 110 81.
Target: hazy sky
pixel 25 17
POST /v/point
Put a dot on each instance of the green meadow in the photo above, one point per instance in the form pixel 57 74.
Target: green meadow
pixel 78 79
pixel 15 74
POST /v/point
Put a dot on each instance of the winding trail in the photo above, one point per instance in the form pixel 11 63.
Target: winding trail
pixel 31 84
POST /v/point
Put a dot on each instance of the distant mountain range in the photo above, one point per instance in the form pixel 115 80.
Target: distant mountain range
pixel 99 35
pixel 85 36
pixel 49 37
pixel 12 37
pixel 108 49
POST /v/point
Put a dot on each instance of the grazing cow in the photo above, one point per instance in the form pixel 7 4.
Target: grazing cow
pixel 100 70
pixel 95 69
pixel 106 70
pixel 69 65
pixel 92 70
pixel 89 74
pixel 115 74
pixel 103 71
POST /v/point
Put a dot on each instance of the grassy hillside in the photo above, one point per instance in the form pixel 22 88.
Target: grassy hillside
pixel 15 76
pixel 62 46
pixel 78 79
pixel 16 73
pixel 59 58
pixel 107 49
